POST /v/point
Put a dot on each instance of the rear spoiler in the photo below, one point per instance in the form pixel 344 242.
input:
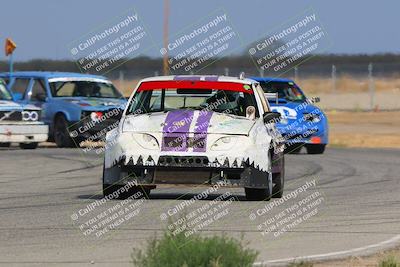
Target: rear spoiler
pixel 272 96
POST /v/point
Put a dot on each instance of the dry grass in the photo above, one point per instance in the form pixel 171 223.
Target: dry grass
pixel 370 261
pixel 364 129
pixel 347 84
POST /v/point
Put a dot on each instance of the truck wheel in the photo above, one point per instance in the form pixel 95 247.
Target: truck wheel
pixel 61 134
pixel 28 145
pixel 5 144
pixel 315 149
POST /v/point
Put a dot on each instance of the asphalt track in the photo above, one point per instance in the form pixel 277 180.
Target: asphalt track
pixel 41 190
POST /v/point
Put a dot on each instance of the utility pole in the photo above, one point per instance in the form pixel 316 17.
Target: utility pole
pixel 371 86
pixel 165 37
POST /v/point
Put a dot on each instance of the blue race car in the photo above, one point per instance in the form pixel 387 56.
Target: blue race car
pixel 302 123
pixel 76 106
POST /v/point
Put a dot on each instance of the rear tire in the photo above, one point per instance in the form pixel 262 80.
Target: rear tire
pixel 294 149
pixel 61 134
pixel 315 149
pixel 28 145
pixel 5 144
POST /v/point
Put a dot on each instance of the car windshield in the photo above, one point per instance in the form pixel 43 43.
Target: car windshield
pixel 286 90
pixel 4 93
pixel 84 89
pixel 222 100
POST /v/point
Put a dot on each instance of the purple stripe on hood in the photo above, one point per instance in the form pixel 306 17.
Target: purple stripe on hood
pixel 176 130
pixel 200 131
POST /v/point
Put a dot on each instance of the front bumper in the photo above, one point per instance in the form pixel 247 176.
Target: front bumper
pixel 304 135
pixel 186 170
pixel 23 132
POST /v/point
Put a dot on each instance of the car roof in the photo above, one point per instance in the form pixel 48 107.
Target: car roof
pixel 50 74
pixel 198 78
pixel 271 79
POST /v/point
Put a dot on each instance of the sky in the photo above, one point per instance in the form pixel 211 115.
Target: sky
pixel 45 28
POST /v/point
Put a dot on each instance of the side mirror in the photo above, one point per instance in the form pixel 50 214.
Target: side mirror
pixel 271 117
pixel 315 99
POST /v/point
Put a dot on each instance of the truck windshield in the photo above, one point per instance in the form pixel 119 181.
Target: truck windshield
pixel 4 93
pixel 84 89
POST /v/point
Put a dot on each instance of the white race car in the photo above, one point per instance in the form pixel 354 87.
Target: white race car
pixel 19 123
pixel 196 130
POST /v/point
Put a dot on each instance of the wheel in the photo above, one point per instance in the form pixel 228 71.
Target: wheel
pixel 110 189
pixel 5 144
pixel 315 149
pixel 278 180
pixel 28 145
pixel 294 149
pixel 61 134
pixel 257 194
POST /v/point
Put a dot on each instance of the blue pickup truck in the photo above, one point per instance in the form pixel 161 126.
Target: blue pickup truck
pixel 302 123
pixel 75 106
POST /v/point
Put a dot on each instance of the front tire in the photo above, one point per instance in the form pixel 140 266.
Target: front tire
pixel 278 179
pixel 61 134
pixel 315 149
pixel 257 194
pixel 28 145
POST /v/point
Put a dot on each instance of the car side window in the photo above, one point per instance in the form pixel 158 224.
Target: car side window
pixel 38 91
pixel 19 87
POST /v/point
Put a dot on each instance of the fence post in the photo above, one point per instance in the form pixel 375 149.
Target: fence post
pixel 226 71
pixel 371 86
pixel 121 80
pixel 333 79
pixel 261 72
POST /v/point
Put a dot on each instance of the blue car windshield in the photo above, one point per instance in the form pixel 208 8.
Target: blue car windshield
pixel 84 89
pixel 285 90
pixel 4 93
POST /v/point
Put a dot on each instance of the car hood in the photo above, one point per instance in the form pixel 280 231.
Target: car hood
pixel 92 103
pixel 7 105
pixel 188 121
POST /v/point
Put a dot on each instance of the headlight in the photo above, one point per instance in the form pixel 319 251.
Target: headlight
pixel 312 117
pixel 30 115
pixel 147 141
pixel 224 143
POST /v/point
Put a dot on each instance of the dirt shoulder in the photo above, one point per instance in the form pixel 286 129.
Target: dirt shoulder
pixel 365 261
pixel 364 129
